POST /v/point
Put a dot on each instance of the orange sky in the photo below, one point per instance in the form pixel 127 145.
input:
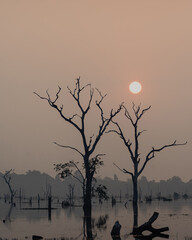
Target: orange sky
pixel 46 43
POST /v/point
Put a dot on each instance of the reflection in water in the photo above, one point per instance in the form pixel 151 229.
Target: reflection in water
pixel 152 236
pixel 8 216
pixel 90 225
pixel 116 238
pixel 49 214
pixel 68 223
pixel 49 207
pixel 101 223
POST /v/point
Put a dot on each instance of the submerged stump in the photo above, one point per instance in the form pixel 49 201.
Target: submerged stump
pixel 147 226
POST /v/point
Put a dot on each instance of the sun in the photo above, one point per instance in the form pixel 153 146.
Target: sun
pixel 135 87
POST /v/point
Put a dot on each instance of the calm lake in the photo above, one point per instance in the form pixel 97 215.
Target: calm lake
pixel 67 223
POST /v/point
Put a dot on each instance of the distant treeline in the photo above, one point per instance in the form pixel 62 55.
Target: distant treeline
pixel 35 183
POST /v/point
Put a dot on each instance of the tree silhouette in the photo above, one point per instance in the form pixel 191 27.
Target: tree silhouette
pixel 7 178
pixel 89 143
pixel 133 149
pixel 101 193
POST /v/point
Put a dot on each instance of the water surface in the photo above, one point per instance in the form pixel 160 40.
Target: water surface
pixel 68 222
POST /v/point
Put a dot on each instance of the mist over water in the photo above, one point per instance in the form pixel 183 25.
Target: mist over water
pixel 68 222
pixel 108 44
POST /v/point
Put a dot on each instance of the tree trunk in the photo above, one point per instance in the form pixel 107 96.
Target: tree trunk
pixel 88 224
pixel 49 208
pixel 135 202
pixel 87 199
pixel 88 209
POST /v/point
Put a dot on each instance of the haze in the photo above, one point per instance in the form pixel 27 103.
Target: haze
pixel 109 44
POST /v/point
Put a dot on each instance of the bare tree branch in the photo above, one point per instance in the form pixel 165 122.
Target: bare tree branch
pixel 103 126
pixel 73 148
pixel 59 109
pixel 57 95
pixel 123 170
pixel 82 182
pixel 122 136
pixel 128 116
pixel 74 115
pixel 151 154
pixel 72 162
pixel 114 131
pixel 139 133
pixel 8 172
pixel 44 98
pixel 137 113
pixel 90 141
pixel 102 97
pixel 7 179
pixel 143 111
pixel 90 100
pixel 136 109
pixel 76 95
pixel 98 103
pixel 73 175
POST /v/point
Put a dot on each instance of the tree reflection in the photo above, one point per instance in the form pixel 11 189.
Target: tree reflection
pixel 8 216
pixel 90 225
pixel 152 236
pixel 87 226
pixel 101 223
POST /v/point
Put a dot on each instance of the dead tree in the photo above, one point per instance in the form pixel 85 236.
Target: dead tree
pixel 78 121
pixel 147 226
pixel 8 216
pixel 133 149
pixel 7 178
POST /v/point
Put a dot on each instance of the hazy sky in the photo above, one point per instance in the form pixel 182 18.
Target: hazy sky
pixel 46 43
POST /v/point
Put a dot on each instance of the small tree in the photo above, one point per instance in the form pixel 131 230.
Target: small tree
pixel 7 178
pixel 71 168
pixel 133 149
pixel 101 193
